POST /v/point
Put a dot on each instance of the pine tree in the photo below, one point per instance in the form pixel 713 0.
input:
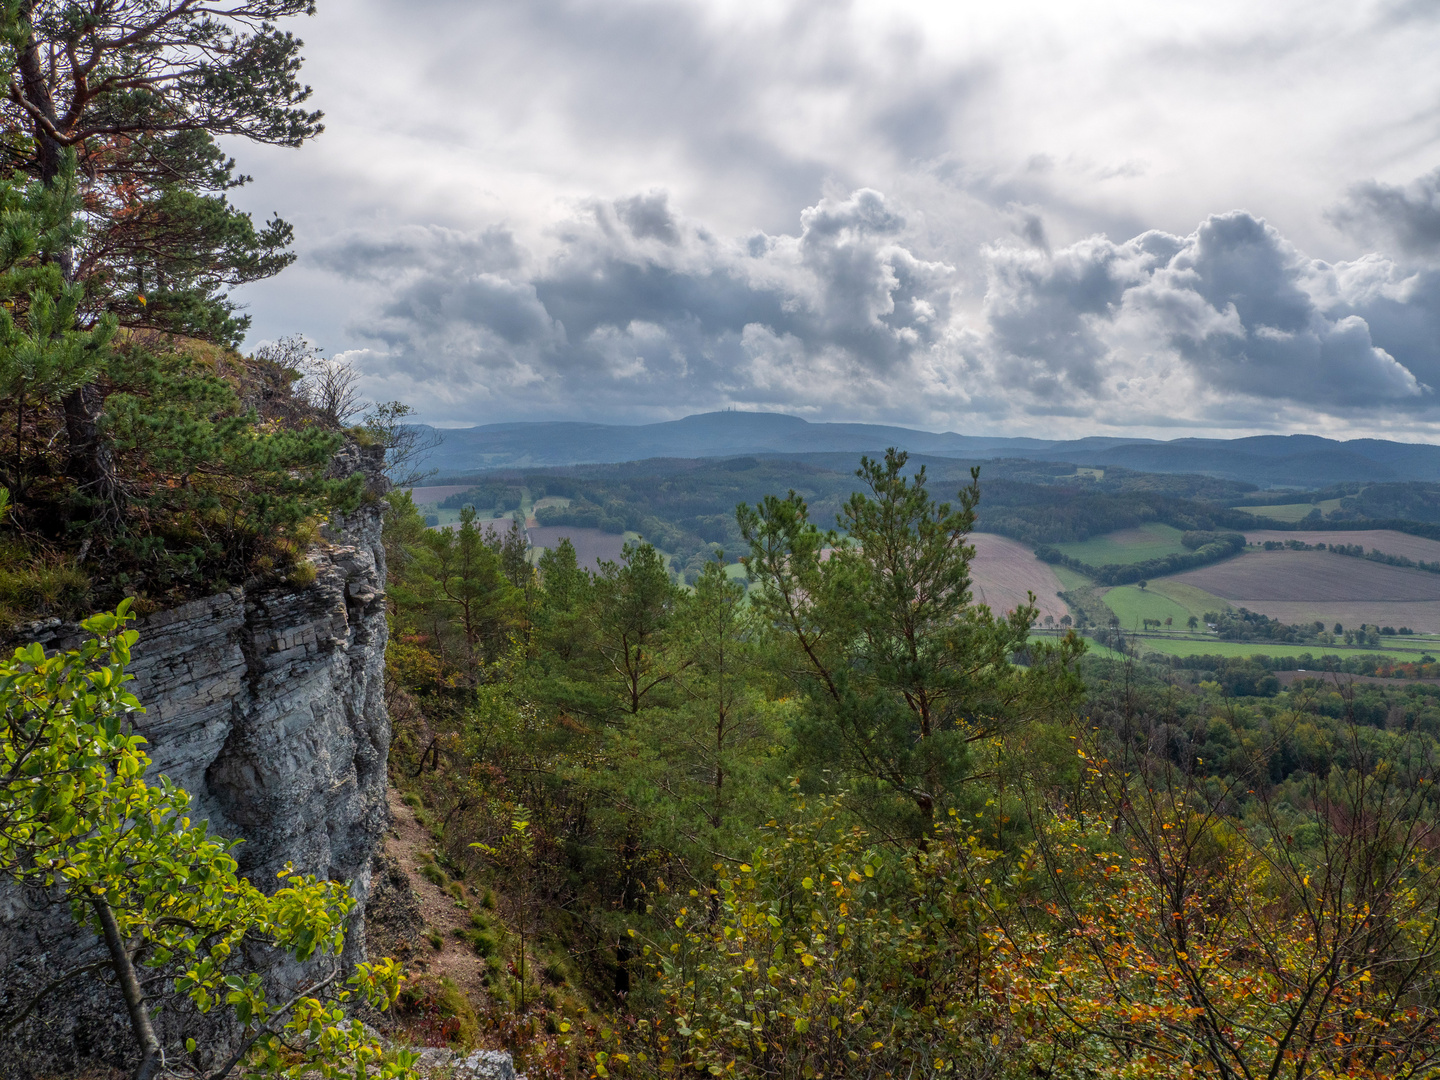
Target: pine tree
pixel 468 584
pixel 633 607
pixel 138 91
pixel 901 672
pixel 43 357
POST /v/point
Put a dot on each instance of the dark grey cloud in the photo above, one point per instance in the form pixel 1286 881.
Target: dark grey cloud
pixel 1405 215
pixel 379 256
pixel 1231 309
pixel 649 217
pixel 638 307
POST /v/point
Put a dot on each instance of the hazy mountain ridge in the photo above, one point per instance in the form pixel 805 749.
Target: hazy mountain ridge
pixel 1268 460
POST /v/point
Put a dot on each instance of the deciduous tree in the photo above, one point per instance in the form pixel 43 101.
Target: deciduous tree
pixel 80 822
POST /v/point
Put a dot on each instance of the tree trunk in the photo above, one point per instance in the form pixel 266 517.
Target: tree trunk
pixel 151 1058
pixel 89 463
pixel 37 91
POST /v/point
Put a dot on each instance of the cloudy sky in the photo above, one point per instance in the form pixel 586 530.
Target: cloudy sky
pixel 1046 218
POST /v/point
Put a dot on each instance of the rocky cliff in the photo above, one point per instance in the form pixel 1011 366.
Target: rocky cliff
pixel 267 704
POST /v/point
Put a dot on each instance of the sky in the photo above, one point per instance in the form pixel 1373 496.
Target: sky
pixel 1039 218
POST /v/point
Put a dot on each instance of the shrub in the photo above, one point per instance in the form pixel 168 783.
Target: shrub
pixel 481 941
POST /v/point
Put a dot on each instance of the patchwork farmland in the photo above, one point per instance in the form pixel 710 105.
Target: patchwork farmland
pixel 1305 586
pixel 1290 586
pixel 1386 540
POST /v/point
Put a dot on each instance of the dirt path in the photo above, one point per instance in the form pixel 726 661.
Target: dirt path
pixel 455 959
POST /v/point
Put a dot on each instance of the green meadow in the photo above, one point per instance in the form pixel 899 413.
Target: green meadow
pixel 1190 646
pixel 1070 579
pixel 1290 511
pixel 1134 605
pixel 1152 541
pixel 1161 600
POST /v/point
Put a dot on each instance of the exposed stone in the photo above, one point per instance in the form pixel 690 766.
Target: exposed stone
pixel 435 1057
pixel 393 921
pixel 267 704
pixel 486 1065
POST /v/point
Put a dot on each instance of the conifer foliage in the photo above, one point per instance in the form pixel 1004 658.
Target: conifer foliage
pixel 139 90
pixel 901 670
pixel 133 446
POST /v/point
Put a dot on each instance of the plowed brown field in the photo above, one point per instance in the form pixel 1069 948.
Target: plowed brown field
pixel 1302 586
pixel 1311 575
pixel 591 545
pixel 1004 569
pixel 434 494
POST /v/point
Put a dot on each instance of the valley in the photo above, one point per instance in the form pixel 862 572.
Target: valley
pixel 1379 587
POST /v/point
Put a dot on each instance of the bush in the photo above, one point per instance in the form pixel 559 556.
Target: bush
pixel 438 1012
pixel 481 941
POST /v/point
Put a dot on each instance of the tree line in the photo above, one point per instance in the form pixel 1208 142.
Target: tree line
pixel 1206 548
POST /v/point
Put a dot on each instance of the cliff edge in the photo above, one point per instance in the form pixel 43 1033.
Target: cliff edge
pixel 267 704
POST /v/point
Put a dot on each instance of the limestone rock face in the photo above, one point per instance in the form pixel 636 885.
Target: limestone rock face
pixel 267 704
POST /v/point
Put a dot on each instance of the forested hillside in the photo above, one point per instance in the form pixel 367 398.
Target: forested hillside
pixel 846 824
pixel 1293 461
pixel 685 505
pixel 1408 501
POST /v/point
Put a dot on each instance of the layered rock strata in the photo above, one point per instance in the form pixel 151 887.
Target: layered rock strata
pixel 267 704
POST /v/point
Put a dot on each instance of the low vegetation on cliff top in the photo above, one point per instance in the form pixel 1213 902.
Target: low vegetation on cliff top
pixel 143 456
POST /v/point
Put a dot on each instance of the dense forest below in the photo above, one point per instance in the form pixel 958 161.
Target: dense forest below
pixel 1409 501
pixel 845 823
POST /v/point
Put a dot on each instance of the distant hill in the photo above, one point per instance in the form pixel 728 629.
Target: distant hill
pixel 1268 460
